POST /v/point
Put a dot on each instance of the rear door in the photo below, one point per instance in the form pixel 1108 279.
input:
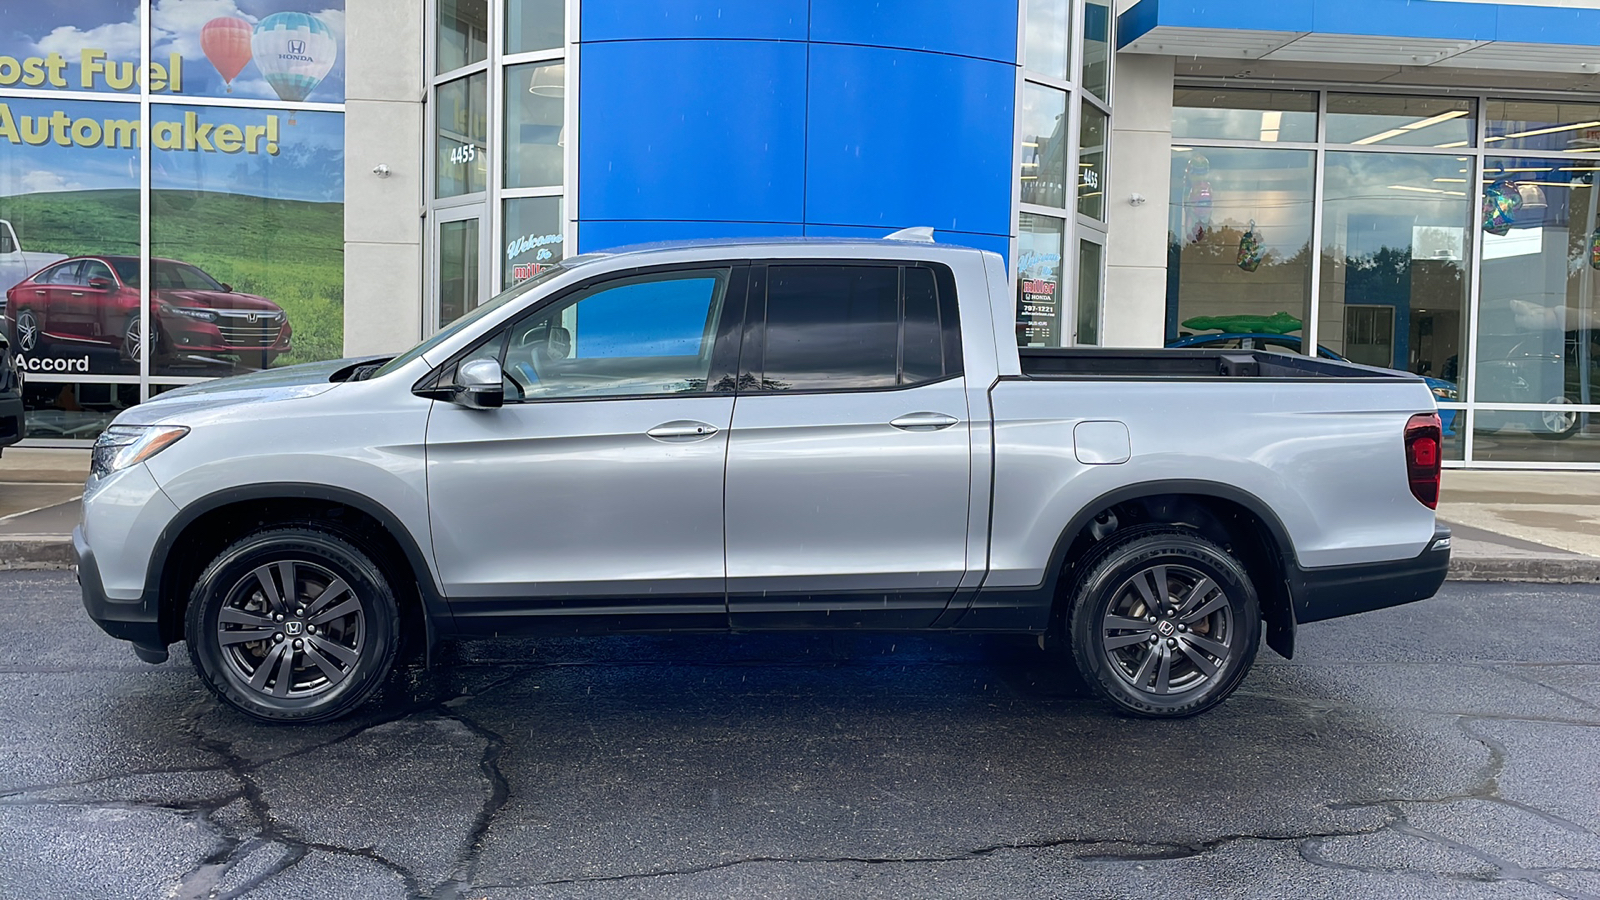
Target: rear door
pixel 849 462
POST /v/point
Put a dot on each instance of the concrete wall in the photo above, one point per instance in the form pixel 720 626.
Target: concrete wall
pixel 1136 233
pixel 383 124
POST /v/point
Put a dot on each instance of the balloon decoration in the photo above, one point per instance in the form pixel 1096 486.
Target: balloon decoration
pixel 294 52
pixel 226 43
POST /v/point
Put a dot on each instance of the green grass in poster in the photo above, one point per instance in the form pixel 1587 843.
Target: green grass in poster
pixel 288 251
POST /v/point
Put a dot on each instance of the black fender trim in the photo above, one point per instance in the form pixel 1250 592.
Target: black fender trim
pixel 436 612
pixel 1331 592
pixel 1029 608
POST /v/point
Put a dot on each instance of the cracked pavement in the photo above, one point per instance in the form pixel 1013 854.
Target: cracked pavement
pixel 1445 749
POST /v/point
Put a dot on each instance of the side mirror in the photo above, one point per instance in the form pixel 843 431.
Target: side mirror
pixel 479 385
pixel 227 288
pixel 100 284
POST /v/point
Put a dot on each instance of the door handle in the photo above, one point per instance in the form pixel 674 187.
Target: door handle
pixel 682 430
pixel 77 293
pixel 40 293
pixel 924 421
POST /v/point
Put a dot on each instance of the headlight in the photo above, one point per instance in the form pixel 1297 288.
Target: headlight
pixel 1445 393
pixel 199 315
pixel 121 446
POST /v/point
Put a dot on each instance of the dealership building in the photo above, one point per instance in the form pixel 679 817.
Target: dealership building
pixel 1407 185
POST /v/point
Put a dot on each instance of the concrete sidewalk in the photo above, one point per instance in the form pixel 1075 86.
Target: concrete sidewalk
pixel 1509 526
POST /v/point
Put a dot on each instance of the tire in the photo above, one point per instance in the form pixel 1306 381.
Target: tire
pixel 341 659
pixel 26 335
pixel 1198 657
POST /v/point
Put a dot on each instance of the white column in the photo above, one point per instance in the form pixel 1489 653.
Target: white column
pixel 1136 233
pixel 383 125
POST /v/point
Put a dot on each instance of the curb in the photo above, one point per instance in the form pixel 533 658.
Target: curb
pixel 44 552
pixel 1537 569
pixel 53 552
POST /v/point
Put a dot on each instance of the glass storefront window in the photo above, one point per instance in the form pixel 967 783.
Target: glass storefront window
pixel 463 35
pixel 1091 175
pixel 1392 121
pixel 1557 434
pixel 1537 309
pixel 1239 242
pixel 1090 293
pixel 1039 246
pixel 462 136
pixel 1047 41
pixel 248 261
pixel 1097 19
pixel 1396 244
pixel 1542 125
pixel 534 139
pixel 73 410
pixel 1044 146
pixel 535 25
pixel 533 238
pixel 458 275
pixel 1219 114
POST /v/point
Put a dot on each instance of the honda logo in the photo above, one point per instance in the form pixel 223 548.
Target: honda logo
pixel 250 317
pixel 298 48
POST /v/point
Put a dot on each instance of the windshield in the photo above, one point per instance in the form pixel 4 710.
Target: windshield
pixel 450 330
pixel 169 276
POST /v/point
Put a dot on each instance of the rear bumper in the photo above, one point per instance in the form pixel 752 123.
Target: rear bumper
pixel 1335 591
pixel 135 621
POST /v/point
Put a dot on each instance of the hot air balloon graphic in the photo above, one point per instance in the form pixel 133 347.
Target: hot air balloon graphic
pixel 294 51
pixel 226 42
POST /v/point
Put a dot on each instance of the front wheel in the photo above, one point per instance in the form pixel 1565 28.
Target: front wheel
pixel 293 625
pixel 27 336
pixel 1164 623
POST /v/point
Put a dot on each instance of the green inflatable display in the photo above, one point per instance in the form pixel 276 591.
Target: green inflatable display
pixel 1277 323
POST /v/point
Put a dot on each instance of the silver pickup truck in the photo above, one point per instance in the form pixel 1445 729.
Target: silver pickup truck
pixel 760 435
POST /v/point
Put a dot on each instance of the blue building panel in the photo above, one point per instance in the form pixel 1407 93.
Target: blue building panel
pixel 1548 25
pixel 1405 18
pixel 1425 19
pixel 982 28
pixel 682 130
pixel 593 236
pixel 898 137
pixel 998 243
pixel 624 20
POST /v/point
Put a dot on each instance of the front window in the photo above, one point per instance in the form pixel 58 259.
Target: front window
pixel 446 333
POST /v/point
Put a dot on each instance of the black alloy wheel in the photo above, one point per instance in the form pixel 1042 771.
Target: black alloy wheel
pixel 1164 623
pixel 293 625
pixel 28 337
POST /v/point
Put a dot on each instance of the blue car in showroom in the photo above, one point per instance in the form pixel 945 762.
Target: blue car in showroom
pixel 1443 391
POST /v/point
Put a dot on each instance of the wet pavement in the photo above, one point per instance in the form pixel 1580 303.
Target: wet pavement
pixel 1445 749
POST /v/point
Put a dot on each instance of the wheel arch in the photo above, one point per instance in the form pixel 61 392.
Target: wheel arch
pixel 208 525
pixel 1233 517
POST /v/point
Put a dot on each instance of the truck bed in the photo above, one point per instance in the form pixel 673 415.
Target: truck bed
pixel 1095 363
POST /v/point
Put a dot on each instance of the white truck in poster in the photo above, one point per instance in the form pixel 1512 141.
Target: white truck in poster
pixel 16 263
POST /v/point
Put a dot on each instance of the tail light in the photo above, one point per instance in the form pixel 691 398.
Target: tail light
pixel 1423 434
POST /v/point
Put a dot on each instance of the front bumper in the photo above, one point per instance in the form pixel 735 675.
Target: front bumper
pixel 136 621
pixel 185 335
pixel 1335 591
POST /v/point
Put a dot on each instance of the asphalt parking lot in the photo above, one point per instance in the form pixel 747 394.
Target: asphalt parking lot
pixel 1446 749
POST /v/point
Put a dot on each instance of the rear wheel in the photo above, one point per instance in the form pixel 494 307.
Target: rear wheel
pixel 293 625
pixel 1557 424
pixel 1164 623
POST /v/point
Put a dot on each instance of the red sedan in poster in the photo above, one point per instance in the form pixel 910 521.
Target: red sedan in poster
pixel 89 301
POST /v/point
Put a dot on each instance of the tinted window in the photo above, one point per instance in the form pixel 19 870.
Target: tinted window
pixel 5 243
pixel 847 327
pixel 923 350
pixel 832 327
pixel 177 276
pixel 651 334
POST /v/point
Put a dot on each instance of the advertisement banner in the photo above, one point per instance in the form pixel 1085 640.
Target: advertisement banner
pixel 246 204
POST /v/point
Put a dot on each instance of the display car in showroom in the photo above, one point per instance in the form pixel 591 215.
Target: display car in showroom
pixel 93 301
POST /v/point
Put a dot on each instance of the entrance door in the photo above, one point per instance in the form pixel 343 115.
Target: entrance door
pixel 460 264
pixel 849 466
pixel 597 489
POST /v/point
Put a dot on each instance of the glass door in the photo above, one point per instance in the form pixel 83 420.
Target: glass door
pixel 460 260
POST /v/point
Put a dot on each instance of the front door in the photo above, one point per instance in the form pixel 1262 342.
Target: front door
pixel 849 466
pixel 596 490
